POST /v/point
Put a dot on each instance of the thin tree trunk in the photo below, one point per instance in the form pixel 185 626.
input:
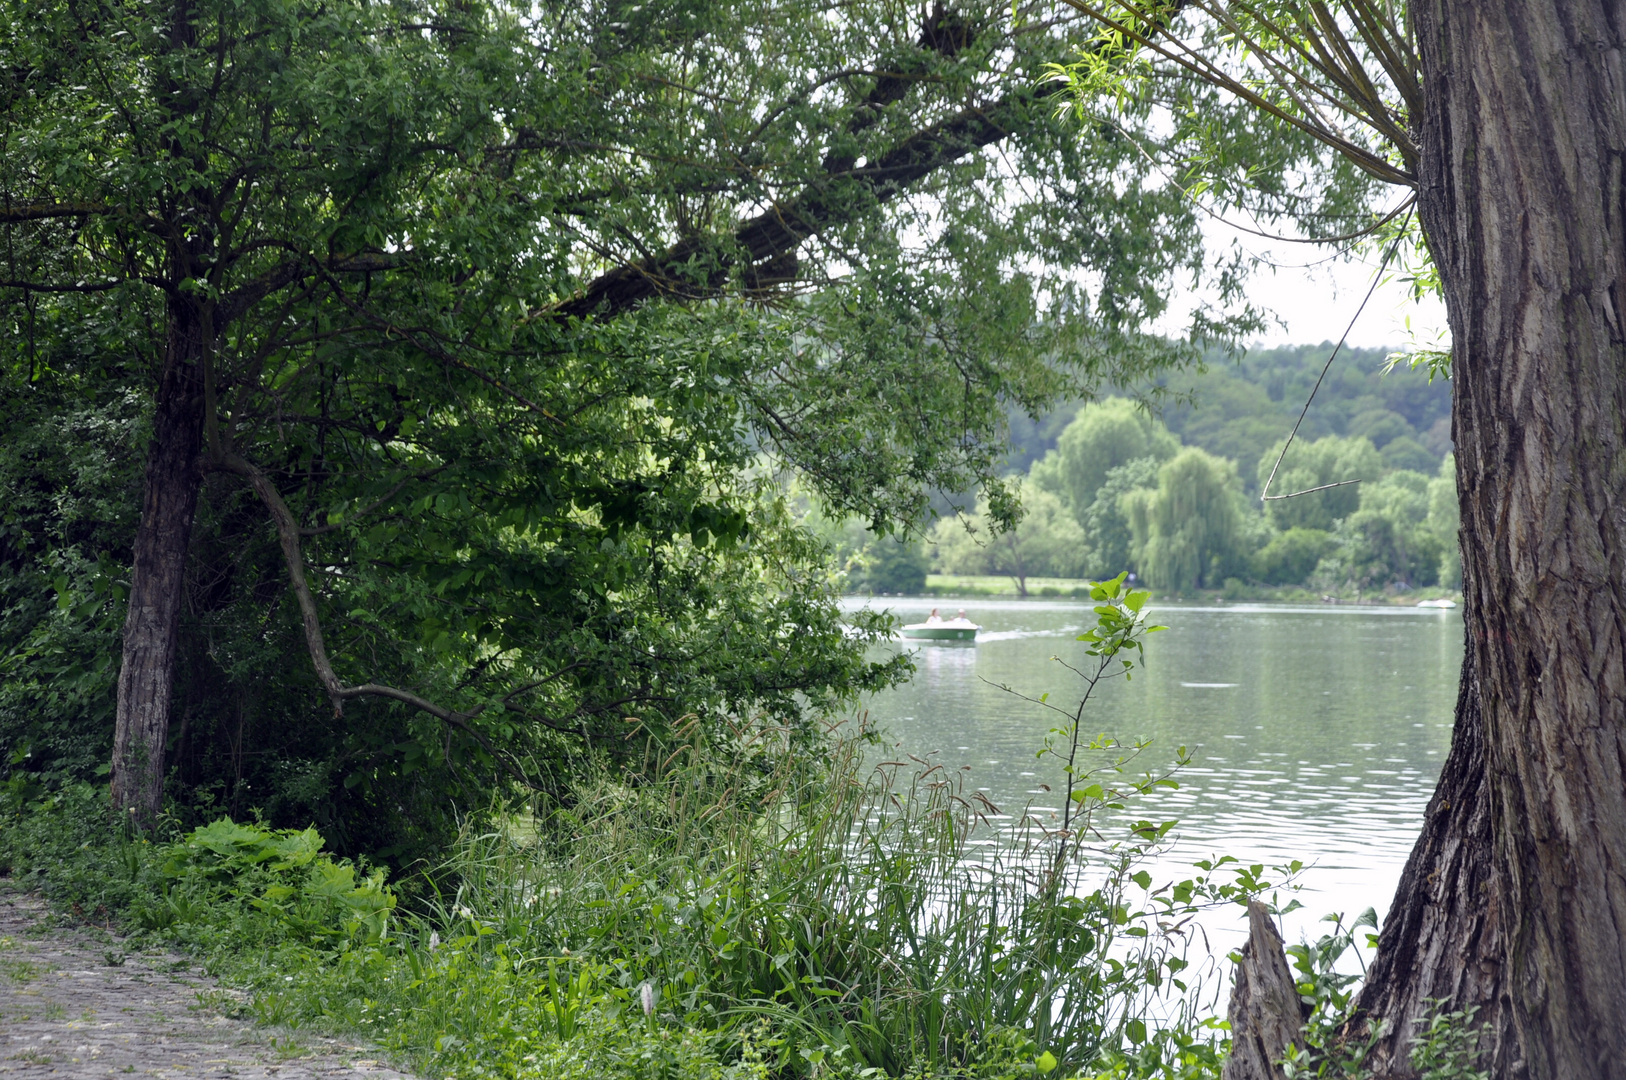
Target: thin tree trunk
pixel 152 624
pixel 1524 202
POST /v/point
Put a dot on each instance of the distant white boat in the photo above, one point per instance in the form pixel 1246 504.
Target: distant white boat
pixel 937 628
pixel 1437 603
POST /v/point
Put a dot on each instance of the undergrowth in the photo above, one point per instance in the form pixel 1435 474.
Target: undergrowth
pixel 735 909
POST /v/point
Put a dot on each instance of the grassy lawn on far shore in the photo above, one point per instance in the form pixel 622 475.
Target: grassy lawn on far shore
pixel 1235 591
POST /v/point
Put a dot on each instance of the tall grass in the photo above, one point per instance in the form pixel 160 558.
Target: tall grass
pixel 839 902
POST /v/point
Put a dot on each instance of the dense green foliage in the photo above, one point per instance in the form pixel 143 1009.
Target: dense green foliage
pixel 524 315
pixel 1187 524
pixel 1291 556
pixel 1046 542
pixel 1100 439
pixel 1201 523
pixel 1186 530
pixel 1322 463
pixel 1239 407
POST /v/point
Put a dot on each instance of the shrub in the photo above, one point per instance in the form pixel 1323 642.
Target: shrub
pixel 888 565
pixel 306 895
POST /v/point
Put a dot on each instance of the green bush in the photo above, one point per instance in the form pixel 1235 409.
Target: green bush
pixel 888 565
pixel 223 885
pixel 305 894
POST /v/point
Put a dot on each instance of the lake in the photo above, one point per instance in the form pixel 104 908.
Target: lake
pixel 1316 733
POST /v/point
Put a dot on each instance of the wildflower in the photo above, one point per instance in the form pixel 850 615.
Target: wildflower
pixel 646 993
pixel 434 940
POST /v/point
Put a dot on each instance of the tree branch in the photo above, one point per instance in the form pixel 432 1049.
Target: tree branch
pixel 770 240
pixel 77 287
pixel 775 234
pixel 375 504
pixel 338 693
pixel 10 214
pixel 1188 58
pixel 296 266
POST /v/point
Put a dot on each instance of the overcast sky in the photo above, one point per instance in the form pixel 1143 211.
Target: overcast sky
pixel 1316 296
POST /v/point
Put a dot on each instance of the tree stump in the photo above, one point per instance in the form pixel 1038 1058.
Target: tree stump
pixel 1265 1012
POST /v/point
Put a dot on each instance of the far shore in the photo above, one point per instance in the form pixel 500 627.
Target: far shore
pixel 1235 591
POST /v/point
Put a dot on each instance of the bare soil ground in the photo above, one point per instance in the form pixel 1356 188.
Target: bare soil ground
pixel 75 1002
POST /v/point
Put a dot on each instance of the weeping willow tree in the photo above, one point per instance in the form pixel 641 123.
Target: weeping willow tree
pixel 1186 530
pixel 1498 127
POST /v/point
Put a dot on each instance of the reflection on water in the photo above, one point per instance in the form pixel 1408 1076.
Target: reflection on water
pixel 1315 733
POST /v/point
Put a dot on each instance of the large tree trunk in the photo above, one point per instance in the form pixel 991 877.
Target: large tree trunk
pixel 156 579
pixel 1442 939
pixel 1523 203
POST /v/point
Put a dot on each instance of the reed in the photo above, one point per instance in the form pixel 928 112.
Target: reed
pixel 838 901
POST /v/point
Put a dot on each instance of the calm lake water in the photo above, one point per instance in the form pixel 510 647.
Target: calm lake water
pixel 1315 733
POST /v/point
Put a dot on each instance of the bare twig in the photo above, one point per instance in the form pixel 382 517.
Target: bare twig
pixel 1264 493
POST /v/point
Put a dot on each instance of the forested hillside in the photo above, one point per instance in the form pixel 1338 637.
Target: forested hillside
pixel 1170 490
pixel 1239 407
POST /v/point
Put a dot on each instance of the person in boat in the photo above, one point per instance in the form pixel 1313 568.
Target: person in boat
pixel 934 617
pixel 961 616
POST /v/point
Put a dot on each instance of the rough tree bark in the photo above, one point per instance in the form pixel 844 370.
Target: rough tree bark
pixel 152 624
pixel 170 491
pixel 1265 1012
pixel 1515 899
pixel 1442 939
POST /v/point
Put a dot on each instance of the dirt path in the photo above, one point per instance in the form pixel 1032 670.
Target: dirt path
pixel 75 1006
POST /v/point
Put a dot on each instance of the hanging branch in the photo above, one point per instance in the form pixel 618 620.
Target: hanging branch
pixel 288 533
pixel 1318 43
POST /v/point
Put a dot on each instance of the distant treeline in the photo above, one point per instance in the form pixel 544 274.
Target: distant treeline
pixel 1173 494
pixel 1238 408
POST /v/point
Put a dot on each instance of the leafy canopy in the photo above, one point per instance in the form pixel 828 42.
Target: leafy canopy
pixel 522 315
